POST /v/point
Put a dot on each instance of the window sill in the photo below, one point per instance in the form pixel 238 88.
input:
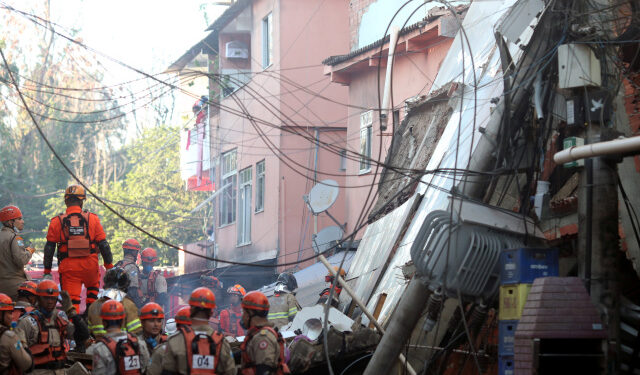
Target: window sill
pixel 364 171
pixel 264 68
pixel 226 225
pixel 259 211
pixel 244 244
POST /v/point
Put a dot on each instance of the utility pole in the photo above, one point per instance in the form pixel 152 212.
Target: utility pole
pixel 598 240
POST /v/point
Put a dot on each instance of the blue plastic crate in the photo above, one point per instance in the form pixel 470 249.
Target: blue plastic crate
pixel 506 365
pixel 522 266
pixel 506 336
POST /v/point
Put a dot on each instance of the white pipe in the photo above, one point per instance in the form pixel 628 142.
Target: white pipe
pixel 386 96
pixel 362 306
pixel 617 146
pixel 537 97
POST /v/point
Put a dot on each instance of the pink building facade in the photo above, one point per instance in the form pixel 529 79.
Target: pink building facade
pixel 420 49
pixel 275 133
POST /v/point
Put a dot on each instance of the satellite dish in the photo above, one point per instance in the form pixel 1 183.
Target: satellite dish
pixel 323 195
pixel 327 238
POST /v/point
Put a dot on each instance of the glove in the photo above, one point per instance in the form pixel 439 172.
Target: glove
pixel 47 275
pixel 67 306
pixel 30 249
pixel 108 266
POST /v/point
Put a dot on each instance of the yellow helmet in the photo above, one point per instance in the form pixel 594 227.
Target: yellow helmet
pixel 75 191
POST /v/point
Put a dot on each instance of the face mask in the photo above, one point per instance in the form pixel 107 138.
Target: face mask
pixel 147 268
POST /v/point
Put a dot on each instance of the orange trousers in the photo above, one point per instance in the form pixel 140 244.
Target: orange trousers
pixel 77 271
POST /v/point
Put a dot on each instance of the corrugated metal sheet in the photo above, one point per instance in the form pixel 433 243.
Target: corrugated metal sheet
pixel 373 252
pixel 457 141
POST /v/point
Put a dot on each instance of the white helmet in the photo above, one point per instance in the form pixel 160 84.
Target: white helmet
pixel 170 326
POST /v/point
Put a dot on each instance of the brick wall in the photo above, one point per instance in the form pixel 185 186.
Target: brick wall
pixel 357 9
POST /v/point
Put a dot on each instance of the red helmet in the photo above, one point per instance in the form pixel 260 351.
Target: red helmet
pixel 202 297
pixel 28 286
pixel 255 301
pixel 151 311
pixel 47 288
pixel 131 244
pixel 9 213
pixel 6 304
pixel 183 316
pixel 237 290
pixel 112 310
pixel 149 255
pixel 75 191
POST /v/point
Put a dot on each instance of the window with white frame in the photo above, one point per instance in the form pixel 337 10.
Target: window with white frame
pixel 267 40
pixel 260 185
pixel 366 128
pixel 244 207
pixel 229 186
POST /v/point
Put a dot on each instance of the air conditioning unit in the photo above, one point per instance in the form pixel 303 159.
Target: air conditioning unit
pixel 236 50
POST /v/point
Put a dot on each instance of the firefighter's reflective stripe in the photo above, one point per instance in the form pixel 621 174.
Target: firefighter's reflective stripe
pixel 133 325
pixel 293 311
pixel 278 315
pixel 284 314
pixel 97 329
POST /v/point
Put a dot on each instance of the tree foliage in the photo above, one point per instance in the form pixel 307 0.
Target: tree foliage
pixel 62 85
pixel 85 121
pixel 151 195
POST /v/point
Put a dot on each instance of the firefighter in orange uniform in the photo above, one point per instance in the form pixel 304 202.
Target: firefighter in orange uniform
pixel 263 347
pixel 13 253
pixel 26 300
pixel 198 349
pixel 45 330
pixel 14 358
pixel 79 236
pixel 152 282
pixel 230 318
pixel 117 352
pixel 152 318
pixel 326 292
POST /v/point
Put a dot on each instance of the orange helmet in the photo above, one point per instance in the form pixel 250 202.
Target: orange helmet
pixel 149 255
pixel 47 288
pixel 340 271
pixel 28 286
pixel 9 213
pixel 255 301
pixel 202 297
pixel 112 310
pixel 131 244
pixel 151 311
pixel 183 316
pixel 75 191
pixel 6 304
pixel 237 290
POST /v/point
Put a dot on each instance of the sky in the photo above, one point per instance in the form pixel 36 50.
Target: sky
pixel 147 35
